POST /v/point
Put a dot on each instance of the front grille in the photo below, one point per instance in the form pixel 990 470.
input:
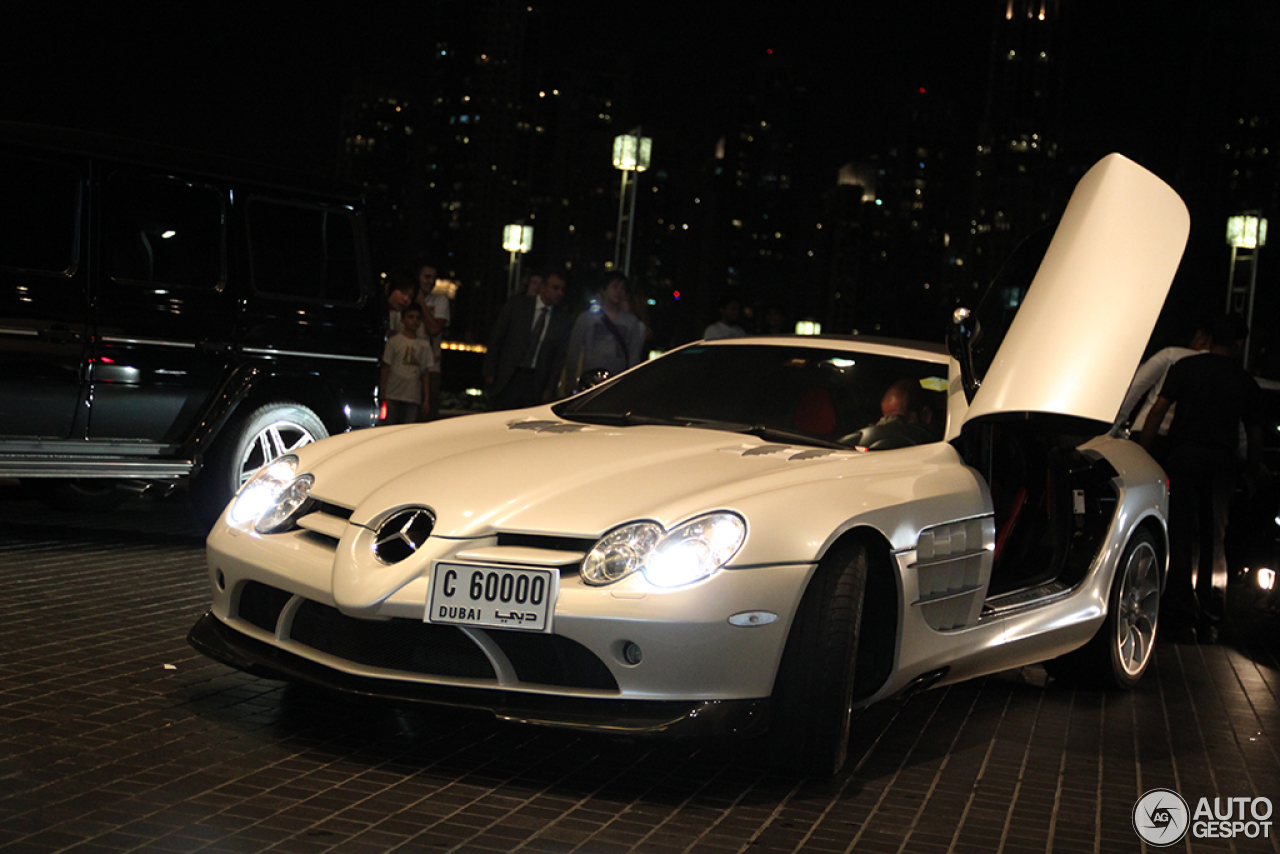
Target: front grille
pixel 553 660
pixel 261 604
pixel 544 541
pixel 331 509
pixel 413 646
pixel 323 540
pixel 399 644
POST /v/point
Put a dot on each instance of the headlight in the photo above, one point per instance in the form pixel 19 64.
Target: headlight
pixel 291 504
pixel 264 491
pixel 620 553
pixel 695 550
pixel 687 554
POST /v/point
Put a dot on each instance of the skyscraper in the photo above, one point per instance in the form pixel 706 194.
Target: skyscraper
pixel 1016 174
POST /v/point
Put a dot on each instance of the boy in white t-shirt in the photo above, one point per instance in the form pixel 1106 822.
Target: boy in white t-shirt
pixel 404 387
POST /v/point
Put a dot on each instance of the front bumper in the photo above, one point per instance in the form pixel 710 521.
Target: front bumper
pixel 672 718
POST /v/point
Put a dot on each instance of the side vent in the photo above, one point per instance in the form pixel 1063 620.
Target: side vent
pixel 953 566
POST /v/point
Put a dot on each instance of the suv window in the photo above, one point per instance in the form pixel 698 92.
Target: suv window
pixel 304 252
pixel 39 212
pixel 163 231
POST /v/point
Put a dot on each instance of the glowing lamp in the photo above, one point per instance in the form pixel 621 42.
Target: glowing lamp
pixel 1246 232
pixel 631 152
pixel 517 238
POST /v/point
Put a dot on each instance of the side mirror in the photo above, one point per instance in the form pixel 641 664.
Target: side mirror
pixel 962 335
pixel 592 378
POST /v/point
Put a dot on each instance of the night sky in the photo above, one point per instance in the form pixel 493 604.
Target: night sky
pixel 266 81
pixel 270 83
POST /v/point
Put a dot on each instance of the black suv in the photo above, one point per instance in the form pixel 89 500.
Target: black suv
pixel 168 316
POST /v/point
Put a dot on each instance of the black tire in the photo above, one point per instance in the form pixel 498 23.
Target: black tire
pixel 245 445
pixel 1119 653
pixel 811 708
pixel 79 495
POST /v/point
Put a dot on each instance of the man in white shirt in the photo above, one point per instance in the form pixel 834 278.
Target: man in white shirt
pixel 435 317
pixel 1149 379
pixel 728 326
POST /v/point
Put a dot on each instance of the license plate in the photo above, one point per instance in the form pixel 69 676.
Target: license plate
pixel 496 597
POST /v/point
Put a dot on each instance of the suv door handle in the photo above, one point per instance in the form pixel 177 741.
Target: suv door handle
pixel 61 335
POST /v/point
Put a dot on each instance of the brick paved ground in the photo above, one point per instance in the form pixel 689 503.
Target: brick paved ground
pixel 116 736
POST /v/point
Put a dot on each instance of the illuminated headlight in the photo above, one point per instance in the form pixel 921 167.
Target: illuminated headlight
pixel 271 496
pixel 686 554
pixel 1266 578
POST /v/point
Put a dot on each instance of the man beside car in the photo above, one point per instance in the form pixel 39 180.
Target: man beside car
pixel 1149 379
pixel 1214 394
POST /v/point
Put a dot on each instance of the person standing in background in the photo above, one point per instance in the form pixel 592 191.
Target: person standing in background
pixel 730 323
pixel 527 348
pixel 435 317
pixel 1214 394
pixel 606 337
pixel 1149 379
pixel 403 386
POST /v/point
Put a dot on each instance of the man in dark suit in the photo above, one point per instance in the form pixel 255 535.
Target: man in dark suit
pixel 1214 395
pixel 527 348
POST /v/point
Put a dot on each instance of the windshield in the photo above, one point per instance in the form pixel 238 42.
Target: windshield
pixel 791 394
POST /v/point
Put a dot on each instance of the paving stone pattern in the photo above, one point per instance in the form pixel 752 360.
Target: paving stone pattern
pixel 116 736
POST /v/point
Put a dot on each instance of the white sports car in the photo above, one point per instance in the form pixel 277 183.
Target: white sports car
pixel 751 536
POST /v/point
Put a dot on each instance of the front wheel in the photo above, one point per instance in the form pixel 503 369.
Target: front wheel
pixel 1119 653
pixel 247 444
pixel 811 708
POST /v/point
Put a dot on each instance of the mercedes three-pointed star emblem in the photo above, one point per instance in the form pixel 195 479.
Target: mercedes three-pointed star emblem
pixel 402 534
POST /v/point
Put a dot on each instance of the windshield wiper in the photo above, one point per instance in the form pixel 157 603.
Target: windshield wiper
pixel 775 434
pixel 622 419
pixel 769 434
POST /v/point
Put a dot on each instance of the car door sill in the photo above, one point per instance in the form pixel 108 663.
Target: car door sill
pixel 1028 597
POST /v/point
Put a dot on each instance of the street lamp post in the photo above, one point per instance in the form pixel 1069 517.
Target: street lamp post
pixel 630 154
pixel 1248 232
pixel 516 239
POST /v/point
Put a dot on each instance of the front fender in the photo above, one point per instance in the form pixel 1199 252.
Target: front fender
pixel 899 494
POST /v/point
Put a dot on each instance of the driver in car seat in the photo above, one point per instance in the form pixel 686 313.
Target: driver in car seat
pixel 905 419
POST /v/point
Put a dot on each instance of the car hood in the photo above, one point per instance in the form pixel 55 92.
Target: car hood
pixel 1079 334
pixel 485 473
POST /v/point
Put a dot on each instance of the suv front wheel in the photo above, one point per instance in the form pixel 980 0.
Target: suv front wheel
pixel 247 444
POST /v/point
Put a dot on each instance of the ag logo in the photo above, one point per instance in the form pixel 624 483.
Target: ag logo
pixel 1160 817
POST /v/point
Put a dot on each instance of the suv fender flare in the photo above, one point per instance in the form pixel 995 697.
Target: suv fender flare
pixel 234 390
